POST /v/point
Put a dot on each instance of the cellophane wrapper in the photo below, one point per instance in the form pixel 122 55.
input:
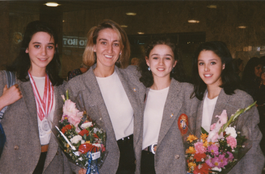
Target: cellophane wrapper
pixel 220 149
pixel 80 138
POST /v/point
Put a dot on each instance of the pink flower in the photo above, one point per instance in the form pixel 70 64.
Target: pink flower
pixel 230 157
pixel 231 141
pixel 223 160
pixel 199 147
pixel 212 126
pixel 73 115
pixel 213 134
pixel 213 149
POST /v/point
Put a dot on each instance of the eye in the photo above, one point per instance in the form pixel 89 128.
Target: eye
pixel 50 47
pixel 213 63
pixel 36 46
pixel 155 58
pixel 116 44
pixel 200 63
pixel 103 43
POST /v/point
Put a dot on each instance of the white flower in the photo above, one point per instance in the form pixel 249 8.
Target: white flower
pixel 217 169
pixel 86 125
pixel 231 131
pixel 76 139
pixel 96 144
pixel 82 141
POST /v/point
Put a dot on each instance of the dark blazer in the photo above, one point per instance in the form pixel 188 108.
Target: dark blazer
pixel 170 156
pixel 253 161
pixel 86 84
pixel 22 148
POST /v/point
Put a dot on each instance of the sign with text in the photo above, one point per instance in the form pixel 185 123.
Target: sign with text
pixel 74 41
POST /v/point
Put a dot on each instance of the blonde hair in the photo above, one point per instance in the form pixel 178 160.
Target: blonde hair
pixel 89 57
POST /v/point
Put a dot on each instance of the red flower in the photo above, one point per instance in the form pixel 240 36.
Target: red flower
pixel 95 135
pixel 201 169
pixel 198 156
pixel 66 128
pixel 84 148
pixel 83 132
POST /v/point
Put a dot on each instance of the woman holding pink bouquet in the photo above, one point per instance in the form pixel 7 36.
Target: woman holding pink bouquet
pixel 108 91
pixel 216 85
pixel 30 146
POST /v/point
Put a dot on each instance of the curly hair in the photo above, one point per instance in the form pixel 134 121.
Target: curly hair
pixel 22 63
pixel 147 76
pixel 230 81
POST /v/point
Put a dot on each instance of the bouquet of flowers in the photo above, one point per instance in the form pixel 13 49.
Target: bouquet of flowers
pixel 82 140
pixel 219 150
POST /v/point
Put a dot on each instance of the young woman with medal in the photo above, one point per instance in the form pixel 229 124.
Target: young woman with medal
pixel 216 85
pixel 167 108
pixel 31 147
pixel 108 91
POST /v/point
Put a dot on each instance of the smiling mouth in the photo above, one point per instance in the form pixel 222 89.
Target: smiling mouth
pixel 208 75
pixel 108 57
pixel 43 59
pixel 160 69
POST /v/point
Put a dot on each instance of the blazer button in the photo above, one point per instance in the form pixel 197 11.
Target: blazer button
pixel 16 147
pixel 177 156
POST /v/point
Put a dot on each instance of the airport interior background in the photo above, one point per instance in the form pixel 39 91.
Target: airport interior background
pixel 240 24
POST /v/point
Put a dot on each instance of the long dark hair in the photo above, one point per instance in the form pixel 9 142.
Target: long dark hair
pixel 230 81
pixel 22 63
pixel 177 72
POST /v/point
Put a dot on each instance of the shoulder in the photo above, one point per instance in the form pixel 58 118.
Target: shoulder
pixel 183 86
pixel 131 70
pixel 240 98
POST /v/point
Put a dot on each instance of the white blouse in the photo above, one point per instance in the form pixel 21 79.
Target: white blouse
pixel 207 113
pixel 153 115
pixel 118 105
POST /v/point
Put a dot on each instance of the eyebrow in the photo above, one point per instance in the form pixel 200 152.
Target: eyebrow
pixel 107 40
pixel 159 54
pixel 51 43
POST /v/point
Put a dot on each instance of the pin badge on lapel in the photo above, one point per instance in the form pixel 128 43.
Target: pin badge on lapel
pixel 183 123
pixel 134 89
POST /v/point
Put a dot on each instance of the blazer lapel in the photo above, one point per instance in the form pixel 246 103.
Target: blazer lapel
pixel 171 109
pixel 95 105
pixel 220 105
pixel 29 100
pixel 131 91
pixel 53 145
pixel 199 117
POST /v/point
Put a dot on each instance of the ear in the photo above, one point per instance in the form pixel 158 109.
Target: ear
pixel 175 63
pixel 27 50
pixel 147 61
pixel 223 66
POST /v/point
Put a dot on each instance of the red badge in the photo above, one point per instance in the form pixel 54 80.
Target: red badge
pixel 183 123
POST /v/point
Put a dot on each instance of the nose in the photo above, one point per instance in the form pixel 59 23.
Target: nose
pixel 109 48
pixel 161 61
pixel 43 51
pixel 206 68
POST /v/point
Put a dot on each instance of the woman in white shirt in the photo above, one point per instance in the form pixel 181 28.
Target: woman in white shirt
pixel 166 99
pixel 30 143
pixel 109 93
pixel 217 86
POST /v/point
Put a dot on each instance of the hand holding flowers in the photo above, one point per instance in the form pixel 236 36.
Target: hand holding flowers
pixel 219 150
pixel 81 138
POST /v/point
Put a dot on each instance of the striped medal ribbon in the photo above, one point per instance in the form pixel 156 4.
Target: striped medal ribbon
pixel 44 106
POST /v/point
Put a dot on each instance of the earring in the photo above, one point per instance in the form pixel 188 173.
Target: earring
pixel 148 68
pixel 120 53
pixel 172 71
